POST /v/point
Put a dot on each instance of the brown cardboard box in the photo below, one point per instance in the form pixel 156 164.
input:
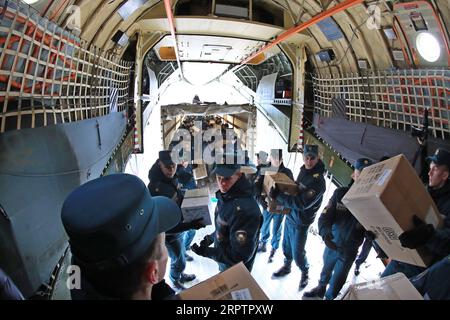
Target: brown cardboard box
pixel 248 170
pixel 196 204
pixel 235 283
pixel 393 287
pixel 200 172
pixel 282 181
pixel 384 200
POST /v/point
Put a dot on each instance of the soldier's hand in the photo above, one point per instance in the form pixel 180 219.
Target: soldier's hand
pixel 274 192
pixel 370 235
pixel 328 239
pixel 197 224
pixel 200 250
pixel 418 236
pixel 207 241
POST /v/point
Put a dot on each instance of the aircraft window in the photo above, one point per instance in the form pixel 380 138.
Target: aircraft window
pixel 428 46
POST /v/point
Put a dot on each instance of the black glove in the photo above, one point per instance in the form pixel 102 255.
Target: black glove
pixel 370 235
pixel 207 240
pixel 329 242
pixel 274 192
pixel 200 250
pixel 418 236
pixel 196 224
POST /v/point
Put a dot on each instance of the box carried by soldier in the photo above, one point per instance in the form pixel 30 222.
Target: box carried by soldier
pixel 384 200
pixel 196 204
pixel 200 172
pixel 282 181
pixel 284 184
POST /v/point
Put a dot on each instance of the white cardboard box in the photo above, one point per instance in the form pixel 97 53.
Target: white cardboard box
pixel 384 200
pixel 197 204
pixel 235 283
pixel 393 287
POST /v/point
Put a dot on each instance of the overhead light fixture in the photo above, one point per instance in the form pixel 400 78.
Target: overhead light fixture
pixel 428 46
pixel 30 1
pixel 129 8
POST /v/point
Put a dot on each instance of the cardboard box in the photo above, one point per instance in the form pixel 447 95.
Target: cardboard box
pixel 282 181
pixel 235 283
pixel 393 287
pixel 384 200
pixel 248 170
pixel 196 204
pixel 200 172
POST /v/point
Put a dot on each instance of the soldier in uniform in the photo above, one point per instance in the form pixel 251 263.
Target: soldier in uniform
pixel 116 235
pixel 343 235
pixel 436 241
pixel 164 182
pixel 237 221
pixel 303 206
pixel 276 164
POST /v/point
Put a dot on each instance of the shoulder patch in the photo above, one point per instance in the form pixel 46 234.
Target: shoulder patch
pixel 241 237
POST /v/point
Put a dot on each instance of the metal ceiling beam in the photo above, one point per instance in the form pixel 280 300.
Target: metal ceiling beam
pixel 169 14
pixel 321 16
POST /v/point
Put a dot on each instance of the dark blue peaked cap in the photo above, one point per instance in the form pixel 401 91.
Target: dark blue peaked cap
pixel 361 163
pixel 227 169
pixel 311 149
pixel 111 221
pixel 441 157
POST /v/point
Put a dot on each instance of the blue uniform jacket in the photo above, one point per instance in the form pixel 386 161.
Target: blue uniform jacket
pixel 237 221
pixel 311 189
pixel 439 243
pixel 160 185
pixel 186 177
pixel 348 233
pixel 434 283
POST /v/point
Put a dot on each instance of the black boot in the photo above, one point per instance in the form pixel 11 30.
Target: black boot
pixel 188 257
pixel 261 247
pixel 317 292
pixel 304 280
pixel 284 270
pixel 186 277
pixel 178 286
pixel 357 270
pixel 272 253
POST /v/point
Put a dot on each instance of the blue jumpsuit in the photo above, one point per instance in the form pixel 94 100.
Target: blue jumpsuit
pixel 268 216
pixel 303 212
pixel 237 221
pixel 160 185
pixel 347 233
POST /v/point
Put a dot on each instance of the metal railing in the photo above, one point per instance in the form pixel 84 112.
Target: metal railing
pixel 48 75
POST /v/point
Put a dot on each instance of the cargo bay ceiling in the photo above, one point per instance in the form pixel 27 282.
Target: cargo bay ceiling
pixel 362 35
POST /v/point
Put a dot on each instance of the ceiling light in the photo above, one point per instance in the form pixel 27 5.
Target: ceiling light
pixel 428 46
